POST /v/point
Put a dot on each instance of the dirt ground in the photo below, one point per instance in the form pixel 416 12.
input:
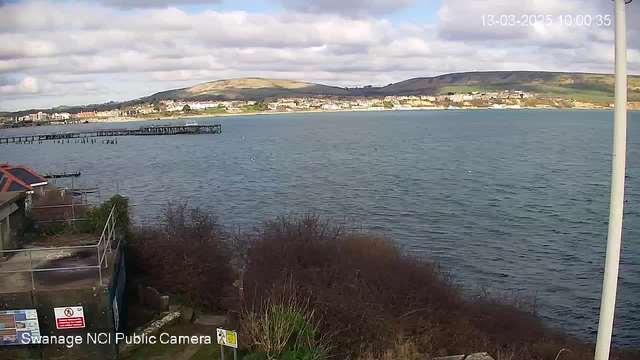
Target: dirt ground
pixel 182 352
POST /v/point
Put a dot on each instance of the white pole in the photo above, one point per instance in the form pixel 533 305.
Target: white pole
pixel 612 262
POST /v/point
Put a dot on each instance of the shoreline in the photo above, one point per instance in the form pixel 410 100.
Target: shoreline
pixel 184 116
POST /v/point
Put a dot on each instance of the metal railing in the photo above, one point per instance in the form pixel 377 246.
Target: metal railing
pixel 102 248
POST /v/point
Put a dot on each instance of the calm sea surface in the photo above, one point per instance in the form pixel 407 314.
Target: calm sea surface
pixel 515 200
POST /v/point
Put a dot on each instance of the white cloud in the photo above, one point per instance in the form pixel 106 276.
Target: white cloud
pixel 156 3
pixel 73 47
pixel 28 85
pixel 35 15
pixel 348 7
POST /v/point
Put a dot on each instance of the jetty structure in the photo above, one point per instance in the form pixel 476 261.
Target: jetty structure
pixel 187 129
pixel 61 175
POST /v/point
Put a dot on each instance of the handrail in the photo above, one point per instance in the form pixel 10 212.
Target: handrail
pixel 48 249
pixel 50 269
pixel 110 221
pixel 106 241
pixel 105 225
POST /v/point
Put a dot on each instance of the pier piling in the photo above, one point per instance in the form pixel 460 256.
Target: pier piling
pixel 84 136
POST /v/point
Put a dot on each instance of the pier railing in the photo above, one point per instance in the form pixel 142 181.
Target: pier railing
pixel 29 260
pixel 142 131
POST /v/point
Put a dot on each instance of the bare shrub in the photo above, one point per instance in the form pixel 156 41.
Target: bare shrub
pixel 187 255
pixel 363 287
pixel 366 291
pixel 403 349
pixel 55 206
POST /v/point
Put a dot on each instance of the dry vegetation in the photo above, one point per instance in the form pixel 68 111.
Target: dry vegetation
pixel 187 255
pixel 54 205
pixel 312 290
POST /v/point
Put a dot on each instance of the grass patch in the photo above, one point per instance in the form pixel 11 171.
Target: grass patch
pixel 210 352
pixel 218 110
pixel 466 89
pixel 593 96
pixel 148 351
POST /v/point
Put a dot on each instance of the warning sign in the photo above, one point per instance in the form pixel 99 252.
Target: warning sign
pixel 71 317
pixel 227 338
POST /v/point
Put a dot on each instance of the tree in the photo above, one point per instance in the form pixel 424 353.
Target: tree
pixel 156 104
pixel 186 108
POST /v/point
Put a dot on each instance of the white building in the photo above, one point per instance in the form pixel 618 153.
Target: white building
pixel 456 97
pixel 203 106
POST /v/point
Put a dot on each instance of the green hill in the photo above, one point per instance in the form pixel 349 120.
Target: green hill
pixel 597 88
pixel 578 86
pixel 249 88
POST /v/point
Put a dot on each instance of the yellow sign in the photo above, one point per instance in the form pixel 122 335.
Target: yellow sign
pixel 231 339
pixel 227 338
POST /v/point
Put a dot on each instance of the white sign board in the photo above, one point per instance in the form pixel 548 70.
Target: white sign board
pixel 227 338
pixel 18 327
pixel 71 317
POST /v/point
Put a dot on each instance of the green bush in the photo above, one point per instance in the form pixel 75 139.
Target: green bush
pixel 281 327
pixel 97 217
pixel 54 229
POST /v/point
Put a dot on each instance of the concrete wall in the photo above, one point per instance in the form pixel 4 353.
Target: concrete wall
pixel 98 319
pixel 6 240
pixel 5 233
pixel 11 220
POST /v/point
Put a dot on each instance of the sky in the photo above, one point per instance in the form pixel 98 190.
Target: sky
pixel 81 52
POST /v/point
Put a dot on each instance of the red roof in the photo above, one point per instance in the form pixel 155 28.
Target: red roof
pixel 18 178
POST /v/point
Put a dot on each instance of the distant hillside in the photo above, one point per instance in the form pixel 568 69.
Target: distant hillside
pixel 594 88
pixel 249 88
pixel 578 86
pixel 111 105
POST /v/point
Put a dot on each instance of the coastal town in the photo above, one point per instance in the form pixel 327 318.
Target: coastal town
pixel 507 99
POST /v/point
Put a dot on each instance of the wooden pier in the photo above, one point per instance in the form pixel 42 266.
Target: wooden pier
pixel 143 131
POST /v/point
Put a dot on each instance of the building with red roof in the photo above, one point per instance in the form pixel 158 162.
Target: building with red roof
pixel 19 178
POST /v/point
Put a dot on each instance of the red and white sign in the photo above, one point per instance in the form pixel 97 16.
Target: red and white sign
pixel 71 317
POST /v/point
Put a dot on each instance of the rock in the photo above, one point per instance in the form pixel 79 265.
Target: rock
pixel 186 314
pixel 164 303
pixel 454 357
pixel 152 298
pixel 479 356
pixel 210 320
pixel 149 329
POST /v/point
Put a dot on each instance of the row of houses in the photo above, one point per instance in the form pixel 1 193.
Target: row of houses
pixel 173 106
pixel 42 116
pixel 62 117
pixel 323 103
pixel 461 97
pixel 284 104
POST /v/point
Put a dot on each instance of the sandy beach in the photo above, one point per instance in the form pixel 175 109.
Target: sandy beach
pixel 195 116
